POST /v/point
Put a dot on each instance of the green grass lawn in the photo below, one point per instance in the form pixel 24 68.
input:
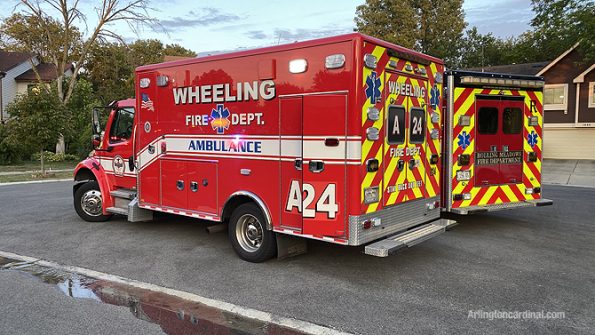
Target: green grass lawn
pixel 35 166
pixel 36 176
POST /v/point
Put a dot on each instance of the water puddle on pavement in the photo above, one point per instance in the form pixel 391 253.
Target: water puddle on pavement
pixel 173 314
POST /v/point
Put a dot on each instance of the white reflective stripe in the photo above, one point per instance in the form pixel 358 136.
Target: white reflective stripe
pixel 273 148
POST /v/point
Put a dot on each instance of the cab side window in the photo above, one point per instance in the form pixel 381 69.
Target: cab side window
pixel 122 125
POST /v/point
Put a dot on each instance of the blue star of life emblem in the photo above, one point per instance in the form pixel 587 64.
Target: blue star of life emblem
pixel 220 118
pixel 434 96
pixel 373 87
pixel 464 140
pixel 532 139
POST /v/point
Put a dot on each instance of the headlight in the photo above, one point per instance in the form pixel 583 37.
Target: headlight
pixel 371 195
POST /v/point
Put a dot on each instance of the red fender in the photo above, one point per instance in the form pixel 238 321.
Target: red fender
pixel 90 168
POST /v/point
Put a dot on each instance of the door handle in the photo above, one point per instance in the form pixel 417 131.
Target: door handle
pixel 493 148
pixel 193 186
pixel 505 148
pixel 316 166
pixel 180 185
pixel 298 164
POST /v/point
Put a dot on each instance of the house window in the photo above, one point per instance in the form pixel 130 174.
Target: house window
pixel 592 95
pixel 555 97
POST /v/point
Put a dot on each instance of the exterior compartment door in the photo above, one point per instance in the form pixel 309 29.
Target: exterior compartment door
pixel 202 186
pixel 499 140
pixel 324 169
pixel 416 141
pixel 174 183
pixel 405 141
pixel 290 143
pixel 147 114
pixel 487 141
pixel 511 141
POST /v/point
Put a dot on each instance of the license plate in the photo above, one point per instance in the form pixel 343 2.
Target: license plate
pixel 463 175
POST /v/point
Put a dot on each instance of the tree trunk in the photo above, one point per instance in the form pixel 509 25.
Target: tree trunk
pixel 61 146
pixel 42 166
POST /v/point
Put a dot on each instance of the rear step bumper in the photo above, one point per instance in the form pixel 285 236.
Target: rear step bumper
pixel 498 207
pixel 409 238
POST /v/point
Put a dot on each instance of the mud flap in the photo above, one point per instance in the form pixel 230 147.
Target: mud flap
pixel 290 246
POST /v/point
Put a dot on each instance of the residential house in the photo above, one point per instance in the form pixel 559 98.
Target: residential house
pixel 569 103
pixel 17 68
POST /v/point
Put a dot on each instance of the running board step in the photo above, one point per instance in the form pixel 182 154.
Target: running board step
pixel 117 210
pixel 123 193
pixel 408 238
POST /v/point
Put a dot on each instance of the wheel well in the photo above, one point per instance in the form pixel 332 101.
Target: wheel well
pixel 238 200
pixel 82 175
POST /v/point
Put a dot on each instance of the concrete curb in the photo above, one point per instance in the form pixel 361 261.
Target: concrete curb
pixel 34 182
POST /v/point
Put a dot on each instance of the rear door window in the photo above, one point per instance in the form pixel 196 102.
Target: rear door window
pixel 512 120
pixel 488 120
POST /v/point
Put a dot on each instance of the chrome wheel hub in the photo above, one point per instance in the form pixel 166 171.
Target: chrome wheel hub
pixel 249 233
pixel 91 203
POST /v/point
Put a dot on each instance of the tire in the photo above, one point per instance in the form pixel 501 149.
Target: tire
pixel 248 234
pixel 88 203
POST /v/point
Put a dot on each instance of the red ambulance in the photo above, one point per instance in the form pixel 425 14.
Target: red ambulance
pixel 336 139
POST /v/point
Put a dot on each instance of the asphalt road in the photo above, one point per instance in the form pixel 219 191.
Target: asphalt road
pixel 535 259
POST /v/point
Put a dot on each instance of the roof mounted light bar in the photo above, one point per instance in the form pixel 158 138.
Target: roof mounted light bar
pixel 475 80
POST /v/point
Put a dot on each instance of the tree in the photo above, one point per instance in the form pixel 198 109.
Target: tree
pixel 61 42
pixel 559 24
pixel 110 66
pixel 434 27
pixel 38 119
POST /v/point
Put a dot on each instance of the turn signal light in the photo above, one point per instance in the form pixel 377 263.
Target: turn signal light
pixel 464 160
pixel 372 165
pixel 537 190
pixel 367 224
pixel 434 159
pixel 532 157
pixel 163 147
pixel 462 196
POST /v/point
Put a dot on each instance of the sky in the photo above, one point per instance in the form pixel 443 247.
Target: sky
pixel 211 26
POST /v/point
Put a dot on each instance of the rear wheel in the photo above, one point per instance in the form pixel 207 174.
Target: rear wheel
pixel 248 234
pixel 88 202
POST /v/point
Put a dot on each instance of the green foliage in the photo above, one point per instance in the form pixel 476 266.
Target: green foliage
pixel 38 119
pixel 559 24
pixel 49 156
pixel 78 133
pixel 110 66
pixel 10 153
pixel 44 37
pixel 434 27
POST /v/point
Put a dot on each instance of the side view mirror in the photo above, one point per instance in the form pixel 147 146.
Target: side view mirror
pixel 96 140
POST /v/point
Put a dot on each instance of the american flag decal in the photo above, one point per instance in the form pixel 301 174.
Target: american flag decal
pixel 147 103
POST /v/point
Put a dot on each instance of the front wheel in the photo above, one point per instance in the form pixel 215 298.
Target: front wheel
pixel 88 202
pixel 248 234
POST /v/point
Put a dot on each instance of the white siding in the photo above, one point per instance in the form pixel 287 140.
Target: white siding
pixel 9 85
pixel 569 143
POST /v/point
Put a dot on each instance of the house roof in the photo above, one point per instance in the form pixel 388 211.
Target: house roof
pixel 47 72
pixel 555 61
pixel 9 59
pixel 581 77
pixel 524 69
